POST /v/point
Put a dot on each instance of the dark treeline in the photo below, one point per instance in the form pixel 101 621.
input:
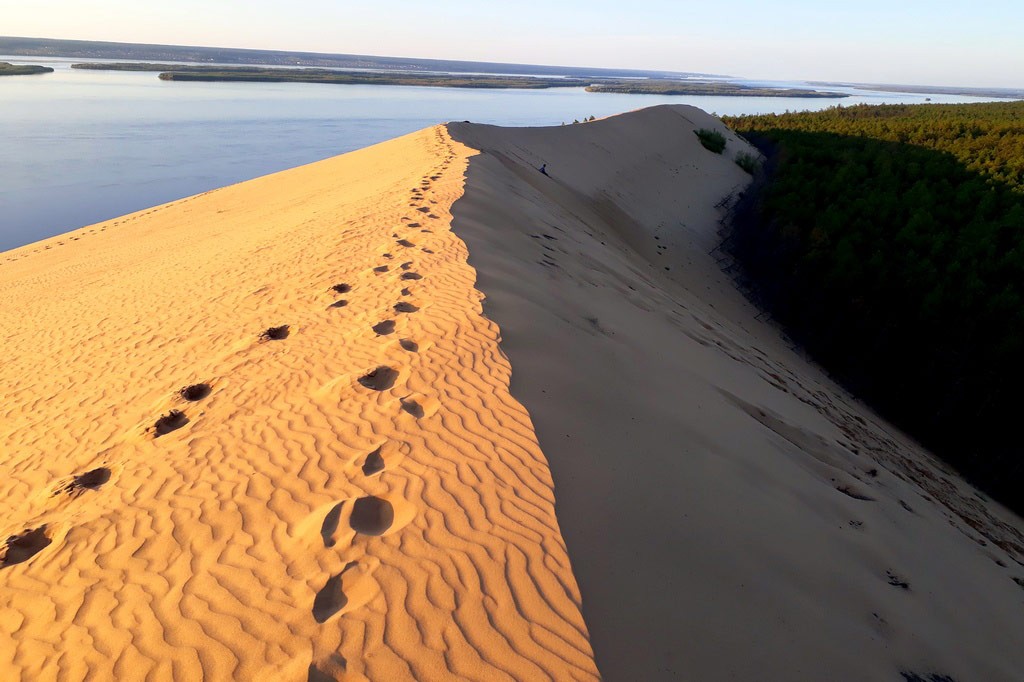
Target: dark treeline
pixel 988 138
pixel 890 242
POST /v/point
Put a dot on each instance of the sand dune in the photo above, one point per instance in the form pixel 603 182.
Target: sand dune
pixel 266 434
pixel 731 514
pixel 272 432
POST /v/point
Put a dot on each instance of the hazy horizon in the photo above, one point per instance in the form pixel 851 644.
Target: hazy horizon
pixel 917 43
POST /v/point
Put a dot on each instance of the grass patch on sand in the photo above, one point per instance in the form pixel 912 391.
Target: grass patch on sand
pixel 711 139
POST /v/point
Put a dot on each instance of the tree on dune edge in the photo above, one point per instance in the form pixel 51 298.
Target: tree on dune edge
pixel 890 243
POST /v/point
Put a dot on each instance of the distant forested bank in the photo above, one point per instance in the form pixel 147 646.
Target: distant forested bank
pixel 889 240
pixel 251 74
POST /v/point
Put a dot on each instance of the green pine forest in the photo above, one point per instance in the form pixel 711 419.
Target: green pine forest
pixel 889 241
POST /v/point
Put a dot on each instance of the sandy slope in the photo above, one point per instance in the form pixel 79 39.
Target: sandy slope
pixel 730 513
pixel 356 496
pixel 362 495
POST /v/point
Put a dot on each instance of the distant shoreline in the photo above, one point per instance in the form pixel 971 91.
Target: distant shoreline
pixel 660 87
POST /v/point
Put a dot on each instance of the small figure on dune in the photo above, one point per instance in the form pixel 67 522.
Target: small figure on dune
pixel 544 169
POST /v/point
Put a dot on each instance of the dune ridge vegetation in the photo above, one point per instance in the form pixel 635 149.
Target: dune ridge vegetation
pixel 889 240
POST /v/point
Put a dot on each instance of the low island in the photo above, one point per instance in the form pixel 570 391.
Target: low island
pixel 8 69
pixel 670 87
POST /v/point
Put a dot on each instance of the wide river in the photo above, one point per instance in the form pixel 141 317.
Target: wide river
pixel 78 147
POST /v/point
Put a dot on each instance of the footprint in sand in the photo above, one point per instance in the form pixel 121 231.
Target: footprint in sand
pixel 384 328
pixel 372 516
pixel 341 288
pixel 94 479
pixel 411 275
pixel 172 421
pixel 194 392
pixel 349 589
pixel 409 345
pixel 374 463
pixel 855 493
pixel 420 406
pixel 897 581
pixel 405 242
pixel 338 304
pixel 381 268
pixel 331 599
pixel 380 379
pixel 329 669
pixel 329 528
pixel 405 307
pixel 25 545
pixel 275 333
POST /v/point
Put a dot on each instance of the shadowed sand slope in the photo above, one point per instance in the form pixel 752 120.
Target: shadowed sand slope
pixel 731 514
pixel 265 433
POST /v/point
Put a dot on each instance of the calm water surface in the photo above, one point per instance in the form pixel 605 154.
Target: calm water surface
pixel 78 147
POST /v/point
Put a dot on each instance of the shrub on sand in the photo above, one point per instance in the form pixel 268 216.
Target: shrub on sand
pixel 711 139
pixel 747 161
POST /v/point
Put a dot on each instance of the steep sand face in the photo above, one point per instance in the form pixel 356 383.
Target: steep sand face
pixel 731 513
pixel 265 433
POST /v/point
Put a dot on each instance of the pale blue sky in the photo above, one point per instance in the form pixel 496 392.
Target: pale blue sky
pixel 897 41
